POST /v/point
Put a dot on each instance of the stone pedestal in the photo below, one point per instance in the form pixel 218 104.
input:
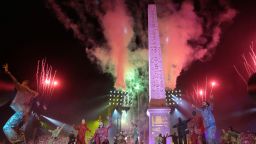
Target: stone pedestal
pixel 159 122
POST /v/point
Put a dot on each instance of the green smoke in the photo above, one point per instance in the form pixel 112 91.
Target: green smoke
pixel 136 76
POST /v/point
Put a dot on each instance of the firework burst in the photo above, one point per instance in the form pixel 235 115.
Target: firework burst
pixel 45 78
pixel 249 65
pixel 202 92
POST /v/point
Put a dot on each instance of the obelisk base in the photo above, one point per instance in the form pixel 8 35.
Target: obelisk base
pixel 159 122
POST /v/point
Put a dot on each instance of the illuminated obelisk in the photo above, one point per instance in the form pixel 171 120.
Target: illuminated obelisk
pixel 159 121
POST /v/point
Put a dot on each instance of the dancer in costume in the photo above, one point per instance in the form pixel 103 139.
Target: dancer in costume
pixel 22 103
pixel 209 121
pixel 101 134
pixel 82 128
pixel 55 134
pixel 196 129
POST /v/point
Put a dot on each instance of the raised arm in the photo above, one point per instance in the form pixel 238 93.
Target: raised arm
pixel 88 129
pixel 196 108
pixel 17 84
pixel 34 93
pixel 6 69
pixel 188 120
pixel 50 131
pixel 62 127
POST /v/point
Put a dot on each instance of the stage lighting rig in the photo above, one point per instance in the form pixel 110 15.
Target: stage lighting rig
pixel 116 97
pixel 173 97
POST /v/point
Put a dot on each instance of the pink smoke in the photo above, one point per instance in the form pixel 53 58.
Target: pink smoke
pixel 118 32
pixel 178 26
pixel 176 29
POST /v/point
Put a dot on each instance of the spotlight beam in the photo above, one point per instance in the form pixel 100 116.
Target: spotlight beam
pixel 68 128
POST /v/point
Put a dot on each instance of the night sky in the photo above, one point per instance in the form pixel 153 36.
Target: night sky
pixel 30 31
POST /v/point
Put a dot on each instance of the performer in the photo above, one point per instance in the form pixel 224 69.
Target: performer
pixel 82 128
pixel 21 106
pixel 174 138
pixel 224 137
pixel 35 125
pixel 101 134
pixel 181 128
pixel 72 138
pixel 55 133
pixel 209 121
pixel 196 129
pixel 135 134
pixel 158 139
pixel 164 138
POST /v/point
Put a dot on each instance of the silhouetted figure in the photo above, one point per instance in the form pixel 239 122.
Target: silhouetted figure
pixel 174 138
pixel 72 138
pixel 159 139
pixel 164 138
pixel 182 130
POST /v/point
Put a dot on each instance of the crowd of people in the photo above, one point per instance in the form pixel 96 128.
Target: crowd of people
pixel 44 139
pixel 199 129
pixel 231 136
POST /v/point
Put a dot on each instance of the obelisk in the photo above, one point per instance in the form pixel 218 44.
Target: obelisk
pixel 158 112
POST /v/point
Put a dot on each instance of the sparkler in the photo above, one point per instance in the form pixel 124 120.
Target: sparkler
pixel 202 93
pixel 45 78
